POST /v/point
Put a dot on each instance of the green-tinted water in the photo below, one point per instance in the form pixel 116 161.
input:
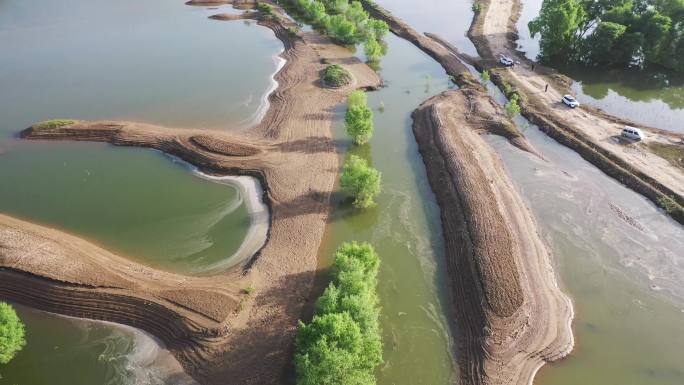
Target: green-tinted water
pixel 404 228
pixel 158 61
pixel 84 352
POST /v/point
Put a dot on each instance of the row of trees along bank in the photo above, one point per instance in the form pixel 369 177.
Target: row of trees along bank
pixel 345 21
pixel 612 32
pixel 342 345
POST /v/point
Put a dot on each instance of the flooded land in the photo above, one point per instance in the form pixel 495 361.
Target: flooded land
pixel 192 239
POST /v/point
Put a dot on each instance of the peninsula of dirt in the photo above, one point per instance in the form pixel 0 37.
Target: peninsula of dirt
pixel 220 332
pixel 510 314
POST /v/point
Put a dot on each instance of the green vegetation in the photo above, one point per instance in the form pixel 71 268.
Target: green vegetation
pixel 266 10
pixel 361 181
pixel 668 204
pixel 359 118
pixel 477 7
pixel 336 76
pixel 12 338
pixel 673 153
pixel 345 21
pixel 341 345
pixel 512 107
pixel 248 290
pixel 52 124
pixel 612 32
pixel 484 75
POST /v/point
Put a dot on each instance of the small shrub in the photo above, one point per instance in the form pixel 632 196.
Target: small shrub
pixel 12 335
pixel 293 31
pixel 668 204
pixel 361 181
pixel 512 107
pixel 484 75
pixel 248 290
pixel 52 124
pixel 336 76
pixel 266 9
pixel 477 7
pixel 359 118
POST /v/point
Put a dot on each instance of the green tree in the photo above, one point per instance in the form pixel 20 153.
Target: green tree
pixel 341 345
pixel 361 181
pixel 359 123
pixel 602 44
pixel 12 338
pixel 558 23
pixel 357 98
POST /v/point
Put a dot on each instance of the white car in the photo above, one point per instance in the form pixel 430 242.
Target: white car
pixel 633 133
pixel 506 61
pixel 569 101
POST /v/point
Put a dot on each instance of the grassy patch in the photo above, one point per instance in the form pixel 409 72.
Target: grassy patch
pixel 673 153
pixel 336 76
pixel 52 124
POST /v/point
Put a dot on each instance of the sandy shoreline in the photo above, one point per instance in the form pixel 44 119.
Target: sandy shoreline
pixel 259 216
pixel 511 315
pixel 217 331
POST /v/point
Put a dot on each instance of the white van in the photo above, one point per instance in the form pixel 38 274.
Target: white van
pixel 633 133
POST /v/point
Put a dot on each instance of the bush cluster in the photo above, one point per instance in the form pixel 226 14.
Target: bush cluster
pixel 361 181
pixel 359 118
pixel 336 76
pixel 345 21
pixel 12 338
pixel 342 343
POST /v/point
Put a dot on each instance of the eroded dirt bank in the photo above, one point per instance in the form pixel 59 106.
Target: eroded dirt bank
pixel 219 333
pixel 511 316
pixel 594 134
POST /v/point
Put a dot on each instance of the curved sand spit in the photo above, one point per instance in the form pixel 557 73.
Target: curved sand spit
pixel 511 316
pixel 219 333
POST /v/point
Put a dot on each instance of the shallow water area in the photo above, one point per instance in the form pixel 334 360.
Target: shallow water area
pixel 618 257
pixel 98 353
pixel 404 227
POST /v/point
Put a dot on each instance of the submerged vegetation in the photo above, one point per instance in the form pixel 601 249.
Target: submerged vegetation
pixel 612 32
pixel 12 338
pixel 345 21
pixel 361 181
pixel 359 118
pixel 336 76
pixel 341 345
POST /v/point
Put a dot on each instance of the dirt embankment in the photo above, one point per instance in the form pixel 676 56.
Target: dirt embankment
pixel 220 334
pixel 594 134
pixel 511 315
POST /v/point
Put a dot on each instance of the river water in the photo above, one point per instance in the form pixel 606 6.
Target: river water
pixel 404 228
pixel 156 61
pixel 618 256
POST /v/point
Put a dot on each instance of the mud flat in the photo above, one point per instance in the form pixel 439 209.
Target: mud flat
pixel 594 134
pixel 219 332
pixel 511 317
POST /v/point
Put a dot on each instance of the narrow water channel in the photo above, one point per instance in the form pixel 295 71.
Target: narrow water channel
pixel 404 228
pixel 156 61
